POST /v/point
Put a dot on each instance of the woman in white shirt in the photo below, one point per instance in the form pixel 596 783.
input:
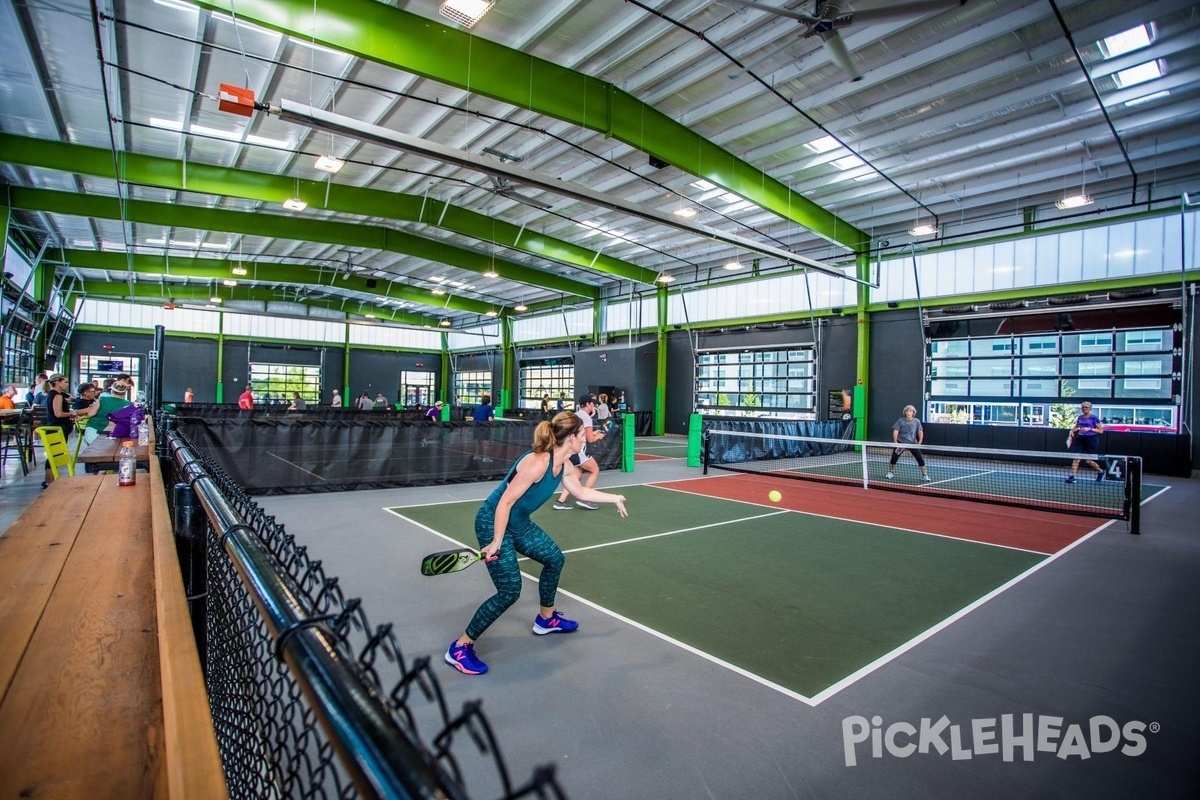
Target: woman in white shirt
pixel 603 414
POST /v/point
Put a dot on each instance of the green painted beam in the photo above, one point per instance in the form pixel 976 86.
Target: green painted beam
pixel 217 270
pixel 299 228
pixel 414 44
pixel 198 296
pixel 165 173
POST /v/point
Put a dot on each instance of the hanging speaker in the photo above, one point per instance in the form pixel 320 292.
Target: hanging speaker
pixel 372 283
pixel 657 163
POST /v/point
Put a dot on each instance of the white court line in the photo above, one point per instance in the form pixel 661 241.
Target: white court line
pixel 297 466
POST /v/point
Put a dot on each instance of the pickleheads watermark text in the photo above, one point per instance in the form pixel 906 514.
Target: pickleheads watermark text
pixel 1010 737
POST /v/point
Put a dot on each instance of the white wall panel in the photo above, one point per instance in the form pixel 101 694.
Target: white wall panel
pixel 1141 247
pixel 399 338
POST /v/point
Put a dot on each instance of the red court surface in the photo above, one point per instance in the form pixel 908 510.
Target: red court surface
pixel 648 457
pixel 1026 529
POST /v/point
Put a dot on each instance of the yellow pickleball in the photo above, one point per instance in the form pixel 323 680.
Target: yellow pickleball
pixel 775 496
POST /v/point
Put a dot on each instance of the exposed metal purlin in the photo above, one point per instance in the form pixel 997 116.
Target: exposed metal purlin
pixel 219 269
pixel 443 53
pixel 294 227
pixel 199 296
pixel 1099 102
pixel 336 123
pixel 246 184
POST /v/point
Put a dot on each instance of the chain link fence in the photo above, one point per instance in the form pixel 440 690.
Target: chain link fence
pixel 309 698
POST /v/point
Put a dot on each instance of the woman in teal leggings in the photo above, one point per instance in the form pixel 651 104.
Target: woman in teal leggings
pixel 504 529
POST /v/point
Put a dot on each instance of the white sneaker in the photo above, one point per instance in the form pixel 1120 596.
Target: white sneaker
pixel 562 506
pixel 926 478
pixel 890 476
pixel 588 506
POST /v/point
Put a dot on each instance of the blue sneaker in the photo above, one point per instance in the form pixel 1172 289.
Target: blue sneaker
pixel 556 624
pixel 462 658
pixel 1071 479
pixel 1099 476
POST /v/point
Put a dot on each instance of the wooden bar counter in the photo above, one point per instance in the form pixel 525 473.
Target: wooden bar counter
pixel 102 454
pixel 100 687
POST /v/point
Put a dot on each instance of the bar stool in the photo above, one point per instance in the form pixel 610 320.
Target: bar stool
pixel 12 441
pixel 55 450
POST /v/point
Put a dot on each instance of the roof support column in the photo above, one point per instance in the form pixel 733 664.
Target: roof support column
pixel 862 266
pixel 660 378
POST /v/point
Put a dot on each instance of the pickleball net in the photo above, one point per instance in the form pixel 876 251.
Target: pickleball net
pixel 1006 477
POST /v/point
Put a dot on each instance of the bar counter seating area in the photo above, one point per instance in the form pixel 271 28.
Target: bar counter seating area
pixel 101 693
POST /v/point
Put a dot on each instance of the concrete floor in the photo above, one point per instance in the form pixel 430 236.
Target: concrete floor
pixel 1104 634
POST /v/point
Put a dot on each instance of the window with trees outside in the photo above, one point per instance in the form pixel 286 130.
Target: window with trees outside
pixel 275 383
pixel 552 376
pixel 999 374
pixel 776 382
pixel 471 385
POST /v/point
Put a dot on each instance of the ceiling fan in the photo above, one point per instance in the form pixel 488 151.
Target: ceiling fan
pixel 830 16
pixel 503 187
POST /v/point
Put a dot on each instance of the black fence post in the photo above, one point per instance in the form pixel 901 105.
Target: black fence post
pixel 190 525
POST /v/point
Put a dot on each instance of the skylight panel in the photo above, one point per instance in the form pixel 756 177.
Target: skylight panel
pixel 822 145
pixel 1125 42
pixel 1139 74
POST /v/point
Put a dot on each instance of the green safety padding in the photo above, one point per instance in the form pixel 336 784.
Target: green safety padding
pixel 695 439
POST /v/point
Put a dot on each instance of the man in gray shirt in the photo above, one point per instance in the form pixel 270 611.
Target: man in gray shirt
pixel 908 434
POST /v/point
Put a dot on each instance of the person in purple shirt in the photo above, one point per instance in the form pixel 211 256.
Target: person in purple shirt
pixel 434 417
pixel 1085 438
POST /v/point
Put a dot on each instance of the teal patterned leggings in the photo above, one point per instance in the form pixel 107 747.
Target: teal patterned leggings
pixel 529 541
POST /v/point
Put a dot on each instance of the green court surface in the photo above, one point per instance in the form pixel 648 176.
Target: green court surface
pixel 658 446
pixel 800 601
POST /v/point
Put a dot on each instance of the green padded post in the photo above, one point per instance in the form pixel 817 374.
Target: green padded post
pixel 695 429
pixel 628 434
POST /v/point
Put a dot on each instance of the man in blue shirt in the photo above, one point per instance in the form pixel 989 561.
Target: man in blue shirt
pixel 482 416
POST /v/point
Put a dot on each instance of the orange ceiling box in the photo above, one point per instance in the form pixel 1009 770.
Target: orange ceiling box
pixel 236 100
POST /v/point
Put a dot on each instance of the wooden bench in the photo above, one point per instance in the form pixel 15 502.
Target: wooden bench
pixel 101 693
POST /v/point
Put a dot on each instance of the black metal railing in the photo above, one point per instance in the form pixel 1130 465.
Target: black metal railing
pixel 308 698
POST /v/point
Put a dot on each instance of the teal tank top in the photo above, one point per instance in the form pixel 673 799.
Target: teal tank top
pixel 534 496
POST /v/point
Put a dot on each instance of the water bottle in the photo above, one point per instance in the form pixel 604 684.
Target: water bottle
pixel 143 432
pixel 126 464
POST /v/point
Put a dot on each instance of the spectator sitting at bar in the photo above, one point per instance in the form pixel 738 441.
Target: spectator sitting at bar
pixel 86 396
pixel 380 401
pixel 6 398
pixel 97 413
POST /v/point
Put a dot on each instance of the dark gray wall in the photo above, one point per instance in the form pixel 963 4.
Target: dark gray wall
pixel 632 369
pixel 186 361
pixel 836 359
pixel 374 371
pixel 896 366
pixel 189 361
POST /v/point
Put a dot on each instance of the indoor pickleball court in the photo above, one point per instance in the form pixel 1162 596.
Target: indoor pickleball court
pixel 798 600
